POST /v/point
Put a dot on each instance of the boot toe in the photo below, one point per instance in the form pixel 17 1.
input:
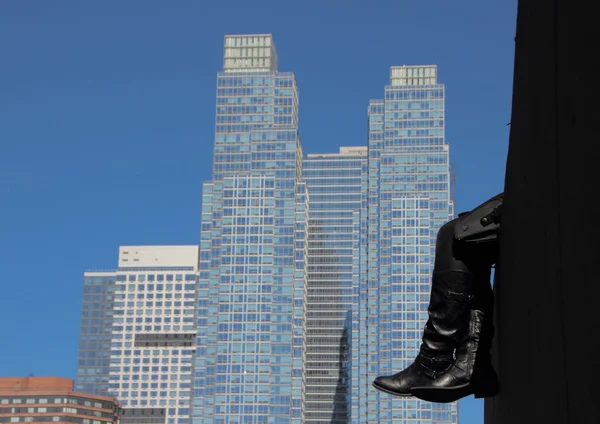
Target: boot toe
pixel 391 385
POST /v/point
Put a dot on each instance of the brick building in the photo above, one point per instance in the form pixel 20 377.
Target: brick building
pixel 52 400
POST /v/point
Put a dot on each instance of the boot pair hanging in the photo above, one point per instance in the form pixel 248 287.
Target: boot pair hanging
pixel 454 360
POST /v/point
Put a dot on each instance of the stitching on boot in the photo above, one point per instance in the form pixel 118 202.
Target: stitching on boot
pixel 460 296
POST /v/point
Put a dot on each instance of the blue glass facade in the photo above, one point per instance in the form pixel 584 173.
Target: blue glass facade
pixel 253 250
pixel 96 333
pixel 338 210
pixel 409 200
pixel 313 274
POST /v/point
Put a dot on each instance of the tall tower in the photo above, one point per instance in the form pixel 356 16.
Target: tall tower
pixel 409 200
pixel 138 332
pixel 249 359
pixel 337 259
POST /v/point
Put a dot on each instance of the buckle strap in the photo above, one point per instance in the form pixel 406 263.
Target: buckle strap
pixel 427 366
pixel 493 217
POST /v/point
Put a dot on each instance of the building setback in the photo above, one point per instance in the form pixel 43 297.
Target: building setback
pixel 253 248
pixel 409 199
pixel 138 332
pixel 312 276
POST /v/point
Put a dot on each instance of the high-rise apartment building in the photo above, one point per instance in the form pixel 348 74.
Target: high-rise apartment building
pixel 315 272
pixel 253 249
pixel 138 333
pixel 337 186
pixel 409 199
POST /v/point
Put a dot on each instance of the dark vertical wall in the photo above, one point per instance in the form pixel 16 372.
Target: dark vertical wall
pixel 547 344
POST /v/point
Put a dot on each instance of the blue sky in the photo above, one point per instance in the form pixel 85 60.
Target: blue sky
pixel 107 118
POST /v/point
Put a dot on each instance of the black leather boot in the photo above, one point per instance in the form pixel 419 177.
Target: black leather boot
pixel 449 315
pixel 486 379
pixel 472 371
pixel 455 383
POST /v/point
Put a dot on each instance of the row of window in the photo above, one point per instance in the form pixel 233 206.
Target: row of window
pixel 278 120
pixel 157 304
pixel 247 40
pixel 139 328
pixel 57 400
pixel 50 419
pixel 153 394
pixel 415 159
pixel 158 287
pixel 243 52
pixel 154 386
pixel 257 202
pixel 155 402
pixel 225 90
pixel 158 277
pixel 154 312
pixel 165 359
pixel 245 110
pixel 234 119
pixel 154 377
pixel 54 409
pixel 130 296
pixel 243 100
pixel 159 352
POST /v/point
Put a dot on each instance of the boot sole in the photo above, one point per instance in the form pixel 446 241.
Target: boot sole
pixel 442 395
pixel 450 394
pixel 389 392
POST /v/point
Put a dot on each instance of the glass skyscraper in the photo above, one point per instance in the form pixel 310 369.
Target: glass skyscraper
pixel 312 276
pixel 315 271
pixel 253 248
pixel 409 199
pixel 337 258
